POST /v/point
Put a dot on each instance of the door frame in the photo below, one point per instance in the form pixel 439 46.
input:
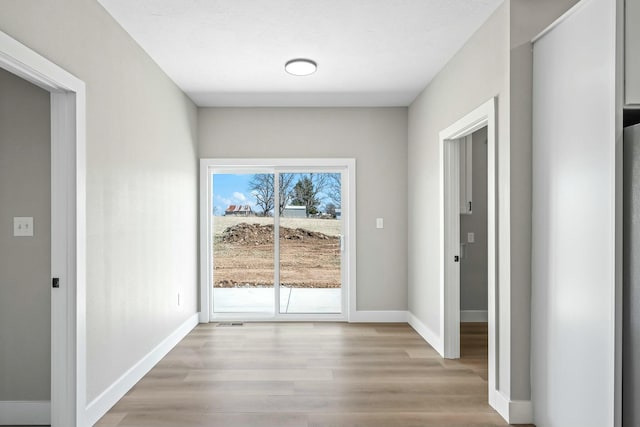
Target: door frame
pixel 483 116
pixel 68 232
pixel 287 165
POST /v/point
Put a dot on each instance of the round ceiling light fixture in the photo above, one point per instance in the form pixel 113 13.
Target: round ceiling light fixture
pixel 300 67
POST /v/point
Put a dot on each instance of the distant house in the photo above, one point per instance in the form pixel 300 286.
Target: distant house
pixel 238 210
pixel 338 213
pixel 294 212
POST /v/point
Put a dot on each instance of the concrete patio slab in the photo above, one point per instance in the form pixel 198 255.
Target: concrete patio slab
pixel 292 300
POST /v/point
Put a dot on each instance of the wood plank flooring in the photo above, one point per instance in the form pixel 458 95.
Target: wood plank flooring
pixel 311 375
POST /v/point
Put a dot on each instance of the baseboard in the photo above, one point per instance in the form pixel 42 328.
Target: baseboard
pixel 382 316
pixel 25 412
pixel 425 332
pixel 203 317
pixel 474 316
pixel 513 411
pixel 101 404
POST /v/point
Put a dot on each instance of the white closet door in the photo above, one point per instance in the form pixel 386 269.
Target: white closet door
pixel 574 193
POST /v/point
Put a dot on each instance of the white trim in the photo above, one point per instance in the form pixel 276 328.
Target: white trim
pixel 348 170
pixel 25 412
pixel 105 401
pixel 431 337
pixel 378 316
pixel 484 115
pixel 205 244
pixel 350 230
pixel 474 316
pixel 579 5
pixel 276 243
pixel 450 297
pixel 68 199
pixel 513 411
pixel 619 232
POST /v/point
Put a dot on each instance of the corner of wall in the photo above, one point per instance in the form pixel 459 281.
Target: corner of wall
pixel 105 401
pixel 513 411
pixel 431 337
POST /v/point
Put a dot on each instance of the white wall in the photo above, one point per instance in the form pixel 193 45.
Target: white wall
pixel 574 220
pixel 375 137
pixel 25 262
pixel 141 181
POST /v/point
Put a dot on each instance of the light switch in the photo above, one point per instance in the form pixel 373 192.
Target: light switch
pixel 471 237
pixel 23 226
pixel 379 222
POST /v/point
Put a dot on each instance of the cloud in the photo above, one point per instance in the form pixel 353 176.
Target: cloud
pixel 221 203
pixel 223 200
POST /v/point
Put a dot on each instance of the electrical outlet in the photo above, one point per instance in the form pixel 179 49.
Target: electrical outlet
pixel 379 222
pixel 471 237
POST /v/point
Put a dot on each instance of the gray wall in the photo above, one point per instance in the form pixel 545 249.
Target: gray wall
pixel 375 137
pixel 478 72
pixel 141 181
pixel 494 62
pixel 631 278
pixel 25 262
pixel 473 266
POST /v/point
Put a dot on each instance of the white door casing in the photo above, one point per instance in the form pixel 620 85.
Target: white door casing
pixel 68 121
pixel 483 116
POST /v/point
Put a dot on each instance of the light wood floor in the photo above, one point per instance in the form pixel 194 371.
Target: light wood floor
pixel 311 375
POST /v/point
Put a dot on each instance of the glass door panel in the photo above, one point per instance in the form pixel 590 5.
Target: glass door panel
pixel 310 237
pixel 243 244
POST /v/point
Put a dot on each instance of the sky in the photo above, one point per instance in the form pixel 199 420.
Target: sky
pixel 231 189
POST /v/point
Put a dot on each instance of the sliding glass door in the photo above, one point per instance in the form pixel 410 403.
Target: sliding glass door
pixel 276 241
pixel 310 228
pixel 242 240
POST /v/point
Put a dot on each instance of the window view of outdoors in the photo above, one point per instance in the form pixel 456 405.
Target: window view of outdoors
pixel 243 243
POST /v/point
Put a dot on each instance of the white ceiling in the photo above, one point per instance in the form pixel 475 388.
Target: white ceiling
pixel 369 52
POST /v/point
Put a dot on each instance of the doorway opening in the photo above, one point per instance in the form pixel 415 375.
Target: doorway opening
pixel 455 192
pixel 68 353
pixel 473 252
pixel 274 239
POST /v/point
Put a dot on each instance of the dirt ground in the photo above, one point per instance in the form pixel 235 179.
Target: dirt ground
pixel 243 254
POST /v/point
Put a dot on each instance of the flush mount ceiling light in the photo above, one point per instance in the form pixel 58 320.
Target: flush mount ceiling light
pixel 300 67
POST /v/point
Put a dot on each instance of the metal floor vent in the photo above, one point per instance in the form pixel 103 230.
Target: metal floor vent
pixel 228 324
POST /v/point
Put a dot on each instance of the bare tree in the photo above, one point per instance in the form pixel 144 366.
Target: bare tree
pixel 262 188
pixel 320 182
pixel 330 209
pixel 285 188
pixel 334 188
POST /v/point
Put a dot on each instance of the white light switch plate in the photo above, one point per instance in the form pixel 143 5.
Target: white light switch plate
pixel 471 237
pixel 23 226
pixel 379 222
